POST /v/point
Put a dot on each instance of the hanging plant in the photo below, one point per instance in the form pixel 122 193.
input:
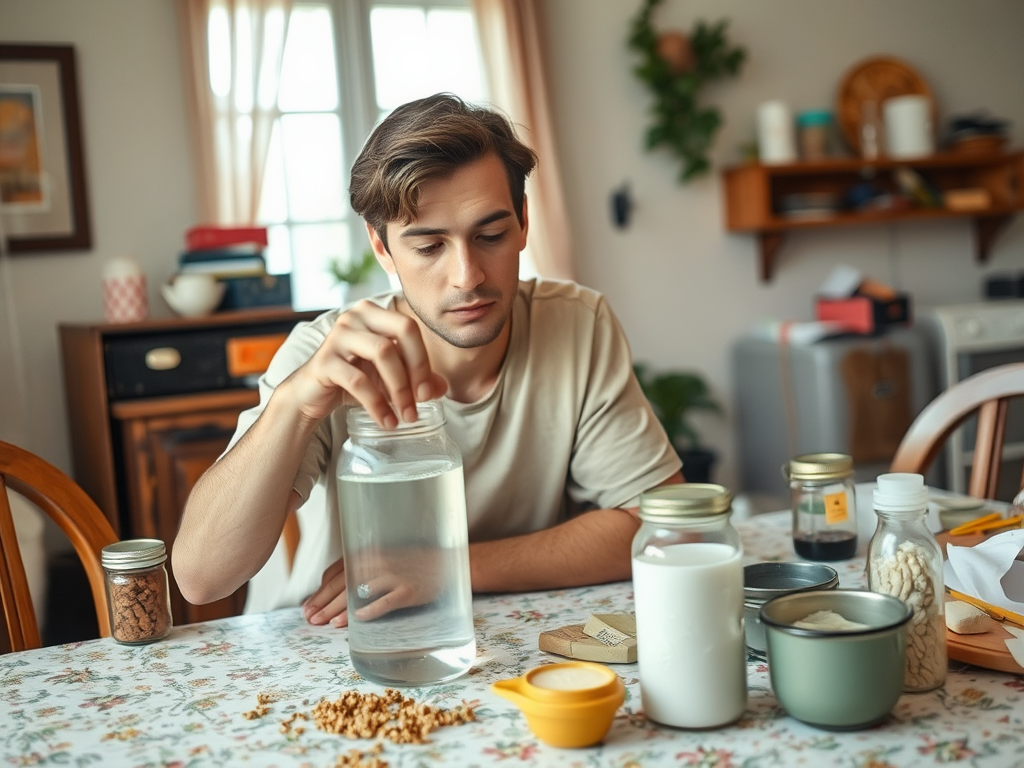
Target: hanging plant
pixel 675 67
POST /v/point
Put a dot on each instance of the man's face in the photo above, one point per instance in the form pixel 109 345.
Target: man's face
pixel 458 261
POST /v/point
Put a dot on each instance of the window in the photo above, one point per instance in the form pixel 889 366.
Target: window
pixel 346 65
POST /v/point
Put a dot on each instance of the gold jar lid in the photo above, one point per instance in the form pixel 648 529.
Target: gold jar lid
pixel 819 466
pixel 672 502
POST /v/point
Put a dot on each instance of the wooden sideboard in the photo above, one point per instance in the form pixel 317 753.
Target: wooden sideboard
pixel 151 405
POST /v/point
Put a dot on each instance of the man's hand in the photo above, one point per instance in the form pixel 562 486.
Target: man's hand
pixel 398 578
pixel 373 356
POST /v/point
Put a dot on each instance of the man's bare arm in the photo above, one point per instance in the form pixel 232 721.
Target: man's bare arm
pixel 592 548
pixel 236 511
pixel 234 516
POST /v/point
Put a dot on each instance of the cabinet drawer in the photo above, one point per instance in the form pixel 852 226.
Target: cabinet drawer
pixel 180 362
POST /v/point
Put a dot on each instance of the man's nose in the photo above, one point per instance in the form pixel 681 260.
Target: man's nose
pixel 467 272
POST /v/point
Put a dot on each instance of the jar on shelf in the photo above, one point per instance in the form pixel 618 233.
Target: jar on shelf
pixel 824 506
pixel 688 594
pixel 814 134
pixel 402 499
pixel 138 597
pixel 904 560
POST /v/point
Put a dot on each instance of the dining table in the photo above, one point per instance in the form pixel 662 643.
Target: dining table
pixel 241 690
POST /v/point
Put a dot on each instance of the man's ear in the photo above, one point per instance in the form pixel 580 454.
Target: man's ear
pixel 381 252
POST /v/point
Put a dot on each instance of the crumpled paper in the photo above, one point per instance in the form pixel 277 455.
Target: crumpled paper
pixel 990 571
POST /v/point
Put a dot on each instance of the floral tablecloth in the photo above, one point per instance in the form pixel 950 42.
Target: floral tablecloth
pixel 181 701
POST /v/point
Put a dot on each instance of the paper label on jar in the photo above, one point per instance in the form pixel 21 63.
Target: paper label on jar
pixel 835 508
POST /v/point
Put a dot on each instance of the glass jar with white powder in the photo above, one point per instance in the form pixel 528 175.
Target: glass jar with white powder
pixel 904 560
pixel 688 593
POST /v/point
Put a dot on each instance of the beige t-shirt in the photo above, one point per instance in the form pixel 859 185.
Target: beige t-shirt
pixel 565 428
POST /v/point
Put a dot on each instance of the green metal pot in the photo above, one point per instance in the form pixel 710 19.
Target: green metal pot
pixel 837 679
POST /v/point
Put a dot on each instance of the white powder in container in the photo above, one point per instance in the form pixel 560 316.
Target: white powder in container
pixel 829 621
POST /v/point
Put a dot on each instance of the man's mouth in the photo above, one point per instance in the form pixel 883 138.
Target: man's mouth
pixel 471 311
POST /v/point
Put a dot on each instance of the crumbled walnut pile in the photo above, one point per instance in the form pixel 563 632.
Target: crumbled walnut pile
pixel 391 716
pixel 356 758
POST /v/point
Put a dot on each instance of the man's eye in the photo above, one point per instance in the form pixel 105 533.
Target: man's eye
pixel 493 238
pixel 427 250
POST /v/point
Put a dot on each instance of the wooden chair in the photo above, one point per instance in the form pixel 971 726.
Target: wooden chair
pixel 78 516
pixel 988 393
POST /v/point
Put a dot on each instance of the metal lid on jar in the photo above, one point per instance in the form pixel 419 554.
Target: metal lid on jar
pixel 819 466
pixel 132 554
pixel 687 500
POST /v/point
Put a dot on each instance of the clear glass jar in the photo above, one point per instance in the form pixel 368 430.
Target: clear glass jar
pixel 824 506
pixel 688 593
pixel 814 134
pixel 138 597
pixel 406 543
pixel 905 560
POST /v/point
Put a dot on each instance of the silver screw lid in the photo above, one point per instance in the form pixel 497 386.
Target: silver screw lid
pixel 133 554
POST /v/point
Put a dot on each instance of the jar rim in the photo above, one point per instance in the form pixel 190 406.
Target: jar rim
pixel 685 500
pixel 430 416
pixel 132 554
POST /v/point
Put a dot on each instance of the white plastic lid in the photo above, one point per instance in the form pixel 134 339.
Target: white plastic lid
pixel 900 492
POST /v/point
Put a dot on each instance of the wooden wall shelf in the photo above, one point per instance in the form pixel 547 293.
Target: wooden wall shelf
pixel 754 194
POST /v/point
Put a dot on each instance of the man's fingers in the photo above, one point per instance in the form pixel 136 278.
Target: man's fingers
pixel 402 596
pixel 393 343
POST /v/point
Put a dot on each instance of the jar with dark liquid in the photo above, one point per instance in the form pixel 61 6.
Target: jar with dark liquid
pixel 824 506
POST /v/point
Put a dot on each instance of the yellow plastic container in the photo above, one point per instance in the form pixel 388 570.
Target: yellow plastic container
pixel 566 705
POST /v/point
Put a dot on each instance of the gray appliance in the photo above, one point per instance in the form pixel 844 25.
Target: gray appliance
pixel 793 399
pixel 968 339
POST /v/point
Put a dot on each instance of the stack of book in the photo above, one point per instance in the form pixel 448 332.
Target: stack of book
pixel 235 255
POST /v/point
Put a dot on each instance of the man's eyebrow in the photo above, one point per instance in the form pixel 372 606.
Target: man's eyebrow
pixel 483 222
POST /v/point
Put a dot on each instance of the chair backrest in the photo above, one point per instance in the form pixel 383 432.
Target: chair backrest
pixel 988 393
pixel 70 507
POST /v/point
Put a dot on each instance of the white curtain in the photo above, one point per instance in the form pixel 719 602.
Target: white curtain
pixel 232 99
pixel 510 37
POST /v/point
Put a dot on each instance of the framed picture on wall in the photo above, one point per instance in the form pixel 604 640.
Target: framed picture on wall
pixel 43 201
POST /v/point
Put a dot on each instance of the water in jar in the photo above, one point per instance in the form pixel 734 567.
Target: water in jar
pixel 406 542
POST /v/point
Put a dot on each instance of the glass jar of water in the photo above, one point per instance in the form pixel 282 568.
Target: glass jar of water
pixel 406 543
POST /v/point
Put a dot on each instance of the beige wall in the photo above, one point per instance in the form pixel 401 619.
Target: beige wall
pixel 683 287
pixel 140 187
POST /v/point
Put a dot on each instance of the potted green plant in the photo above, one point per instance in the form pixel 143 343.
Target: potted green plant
pixel 353 272
pixel 674 396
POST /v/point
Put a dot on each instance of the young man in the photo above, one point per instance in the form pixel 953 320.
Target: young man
pixel 557 439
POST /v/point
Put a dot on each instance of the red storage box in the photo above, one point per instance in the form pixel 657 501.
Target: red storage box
pixel 865 314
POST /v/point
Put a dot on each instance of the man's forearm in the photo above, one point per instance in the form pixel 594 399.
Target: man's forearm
pixel 592 548
pixel 236 511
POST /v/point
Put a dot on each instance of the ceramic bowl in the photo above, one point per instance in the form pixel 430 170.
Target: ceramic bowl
pixel 566 705
pixel 193 295
pixel 764 581
pixel 837 679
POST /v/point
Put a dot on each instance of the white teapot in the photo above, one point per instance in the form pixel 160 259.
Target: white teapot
pixel 193 294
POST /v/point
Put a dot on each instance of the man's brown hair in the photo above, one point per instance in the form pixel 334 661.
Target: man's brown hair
pixel 431 138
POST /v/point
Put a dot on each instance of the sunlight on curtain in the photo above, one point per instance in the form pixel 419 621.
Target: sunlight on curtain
pixel 512 48
pixel 233 98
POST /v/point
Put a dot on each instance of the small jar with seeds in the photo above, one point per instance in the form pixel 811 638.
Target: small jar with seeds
pixel 138 597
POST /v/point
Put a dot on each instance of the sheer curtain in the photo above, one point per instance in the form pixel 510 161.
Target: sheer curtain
pixel 232 101
pixel 510 39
